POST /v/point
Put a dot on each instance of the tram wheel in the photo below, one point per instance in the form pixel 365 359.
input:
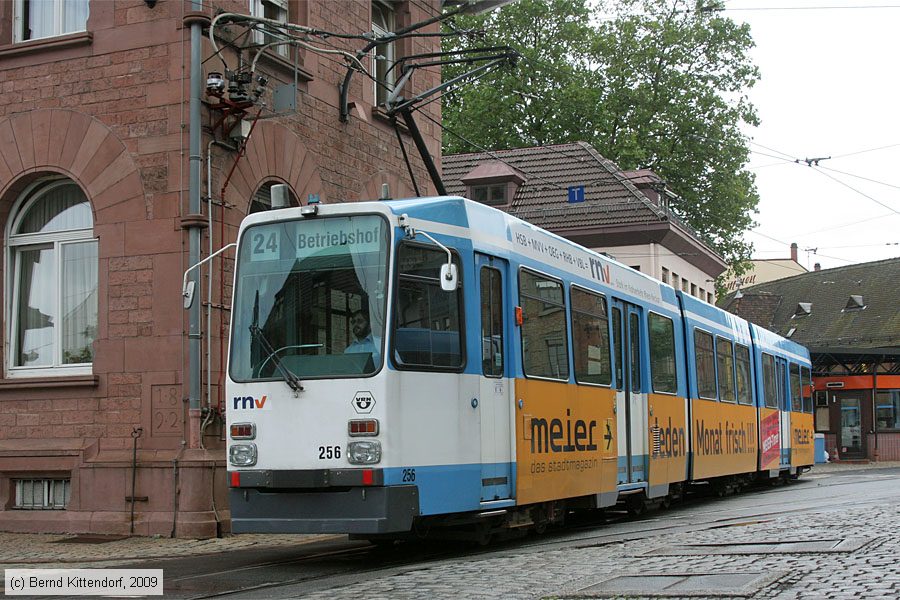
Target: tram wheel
pixel 636 505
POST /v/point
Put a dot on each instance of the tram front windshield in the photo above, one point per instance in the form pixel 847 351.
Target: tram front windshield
pixel 310 299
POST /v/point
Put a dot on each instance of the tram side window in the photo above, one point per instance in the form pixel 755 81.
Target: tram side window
pixel 725 359
pixel 544 343
pixel 590 338
pixel 427 319
pixel 770 388
pixel 662 354
pixel 807 390
pixel 706 364
pixel 617 347
pixel 781 382
pixel 796 402
pixel 491 322
pixel 742 364
pixel 634 341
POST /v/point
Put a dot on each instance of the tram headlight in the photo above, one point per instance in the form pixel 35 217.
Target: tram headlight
pixel 242 455
pixel 364 453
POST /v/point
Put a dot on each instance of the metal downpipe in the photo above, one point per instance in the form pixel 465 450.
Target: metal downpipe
pixel 195 208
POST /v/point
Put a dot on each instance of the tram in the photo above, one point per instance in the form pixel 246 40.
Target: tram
pixel 434 364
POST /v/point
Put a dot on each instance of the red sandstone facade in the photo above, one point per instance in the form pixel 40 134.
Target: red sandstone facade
pixel 107 109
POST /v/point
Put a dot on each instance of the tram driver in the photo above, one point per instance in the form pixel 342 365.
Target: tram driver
pixel 365 340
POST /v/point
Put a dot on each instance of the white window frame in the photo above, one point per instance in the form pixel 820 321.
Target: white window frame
pixel 17 242
pixel 384 87
pixel 258 9
pixel 58 21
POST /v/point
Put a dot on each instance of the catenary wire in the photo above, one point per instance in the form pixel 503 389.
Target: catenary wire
pixel 850 187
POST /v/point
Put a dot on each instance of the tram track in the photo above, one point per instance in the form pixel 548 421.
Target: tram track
pixel 336 565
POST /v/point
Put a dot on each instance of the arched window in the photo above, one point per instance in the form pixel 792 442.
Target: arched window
pixel 272 195
pixel 52 270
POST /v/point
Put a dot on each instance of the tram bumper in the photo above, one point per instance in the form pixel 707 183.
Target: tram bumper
pixel 360 510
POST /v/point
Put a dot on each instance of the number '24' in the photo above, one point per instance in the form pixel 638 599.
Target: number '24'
pixel 265 244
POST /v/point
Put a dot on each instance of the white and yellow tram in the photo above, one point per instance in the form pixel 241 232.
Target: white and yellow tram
pixel 416 364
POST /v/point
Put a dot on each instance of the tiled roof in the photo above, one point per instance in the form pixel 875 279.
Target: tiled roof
pixel 610 199
pixel 829 325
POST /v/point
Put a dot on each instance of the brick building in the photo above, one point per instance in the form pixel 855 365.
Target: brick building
pixel 110 190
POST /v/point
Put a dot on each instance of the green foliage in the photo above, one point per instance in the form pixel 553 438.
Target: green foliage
pixel 656 84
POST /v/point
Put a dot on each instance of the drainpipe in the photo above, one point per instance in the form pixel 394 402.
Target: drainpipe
pixel 195 165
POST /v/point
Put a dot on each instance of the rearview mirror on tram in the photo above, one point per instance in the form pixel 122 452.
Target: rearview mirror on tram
pixel 448 277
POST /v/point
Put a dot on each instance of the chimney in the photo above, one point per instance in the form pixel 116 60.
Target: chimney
pixel 794 252
pixel 817 267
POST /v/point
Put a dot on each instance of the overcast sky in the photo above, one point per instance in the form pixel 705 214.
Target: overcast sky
pixel 829 87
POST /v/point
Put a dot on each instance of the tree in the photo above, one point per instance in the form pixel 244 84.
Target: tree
pixel 658 84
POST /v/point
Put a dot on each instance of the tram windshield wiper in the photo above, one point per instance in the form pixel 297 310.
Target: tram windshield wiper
pixel 271 353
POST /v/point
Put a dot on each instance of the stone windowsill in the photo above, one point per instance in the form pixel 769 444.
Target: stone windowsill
pixel 285 66
pixel 49 382
pixel 58 42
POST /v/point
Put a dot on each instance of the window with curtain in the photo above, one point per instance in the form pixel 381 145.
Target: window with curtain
pixel 275 10
pixel 53 271
pixel 34 19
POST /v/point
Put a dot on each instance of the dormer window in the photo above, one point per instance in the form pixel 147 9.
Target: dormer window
pixel 494 194
pixel 493 183
pixel 803 309
pixel 855 302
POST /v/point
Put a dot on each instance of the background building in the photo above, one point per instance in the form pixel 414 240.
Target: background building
pixel 763 270
pixel 129 150
pixel 848 319
pixel 571 190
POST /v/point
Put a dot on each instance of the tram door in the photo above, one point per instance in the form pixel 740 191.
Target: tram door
pixel 630 406
pixel 495 401
pixel 784 409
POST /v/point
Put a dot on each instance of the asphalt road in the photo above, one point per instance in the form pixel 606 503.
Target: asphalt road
pixel 330 567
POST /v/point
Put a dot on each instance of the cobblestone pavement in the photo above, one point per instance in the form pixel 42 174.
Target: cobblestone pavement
pixel 870 571
pixel 873 571
pixel 34 550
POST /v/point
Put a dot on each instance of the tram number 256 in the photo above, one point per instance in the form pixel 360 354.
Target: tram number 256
pixel 409 475
pixel 326 452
